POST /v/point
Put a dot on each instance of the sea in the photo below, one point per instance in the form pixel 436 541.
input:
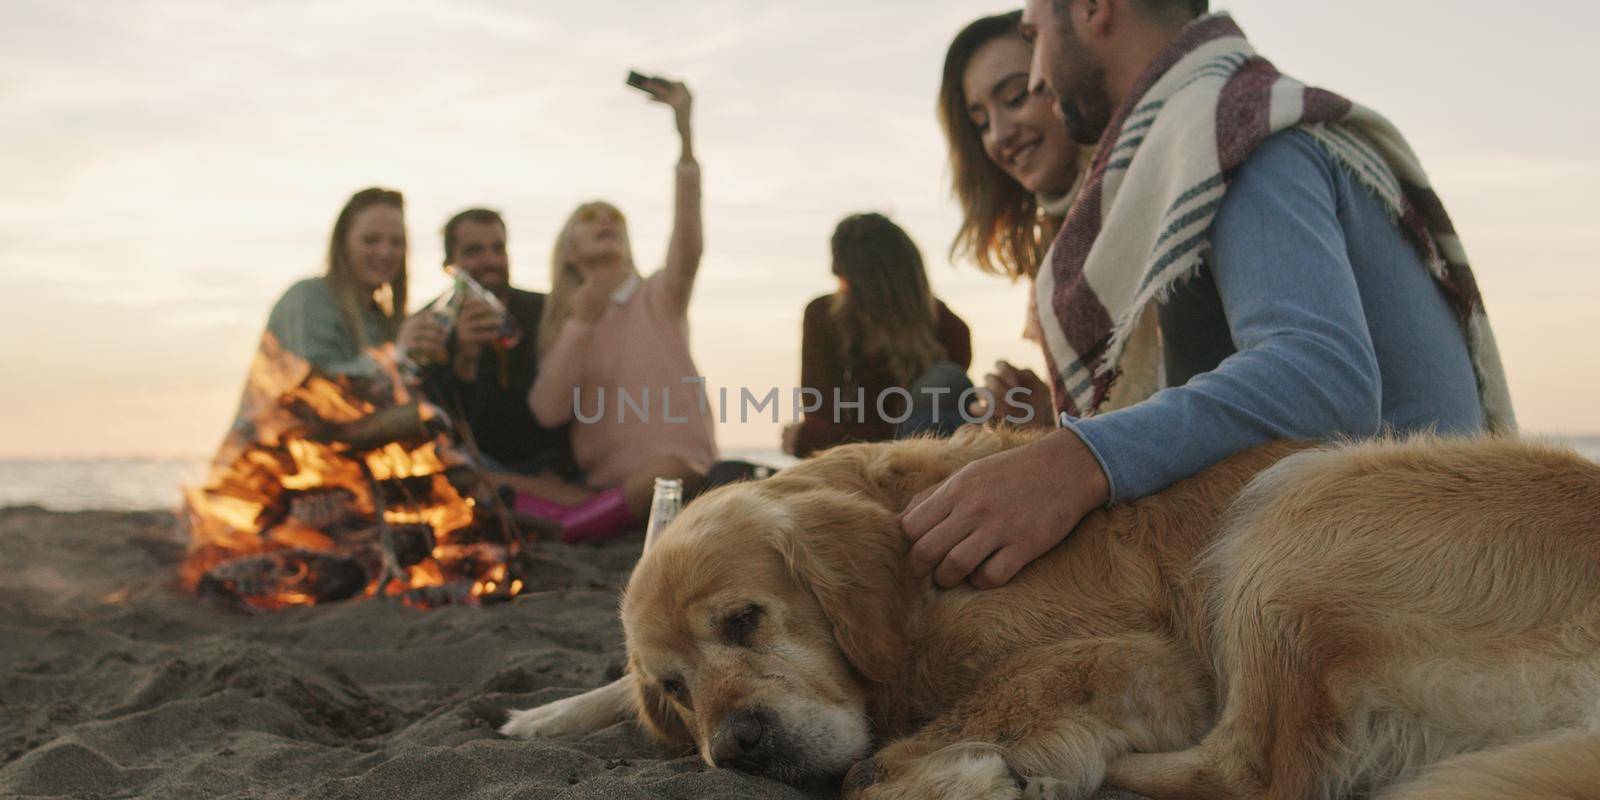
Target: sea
pixel 143 484
pixel 138 484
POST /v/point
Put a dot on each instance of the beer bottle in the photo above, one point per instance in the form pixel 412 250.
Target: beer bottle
pixel 664 506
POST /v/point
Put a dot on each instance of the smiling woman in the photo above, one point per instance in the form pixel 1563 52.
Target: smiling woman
pixel 330 321
pixel 1012 165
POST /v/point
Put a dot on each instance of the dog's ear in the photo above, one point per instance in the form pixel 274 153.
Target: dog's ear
pixel 892 473
pixel 658 716
pixel 850 554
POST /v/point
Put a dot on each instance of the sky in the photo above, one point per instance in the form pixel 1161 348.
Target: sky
pixel 168 168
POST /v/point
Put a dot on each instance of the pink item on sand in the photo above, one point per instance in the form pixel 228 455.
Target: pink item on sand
pixel 536 506
pixel 600 517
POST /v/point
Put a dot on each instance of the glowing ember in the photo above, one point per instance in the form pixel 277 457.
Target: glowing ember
pixel 328 488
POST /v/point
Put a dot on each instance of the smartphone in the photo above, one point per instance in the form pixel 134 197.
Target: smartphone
pixel 638 81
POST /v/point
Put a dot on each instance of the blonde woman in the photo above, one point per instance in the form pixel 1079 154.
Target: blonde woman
pixel 614 346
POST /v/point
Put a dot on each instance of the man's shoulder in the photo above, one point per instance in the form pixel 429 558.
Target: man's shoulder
pixel 1291 152
pixel 523 301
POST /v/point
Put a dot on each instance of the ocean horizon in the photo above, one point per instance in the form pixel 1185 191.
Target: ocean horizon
pixel 143 484
pixel 135 483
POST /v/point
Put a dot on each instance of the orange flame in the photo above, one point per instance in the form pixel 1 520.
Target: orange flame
pixel 277 459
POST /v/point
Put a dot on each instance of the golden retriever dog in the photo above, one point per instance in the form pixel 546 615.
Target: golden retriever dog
pixel 1390 619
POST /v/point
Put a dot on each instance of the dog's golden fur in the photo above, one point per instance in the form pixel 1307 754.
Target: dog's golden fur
pixel 1416 620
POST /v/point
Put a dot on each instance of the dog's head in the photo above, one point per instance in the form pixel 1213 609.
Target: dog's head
pixel 766 619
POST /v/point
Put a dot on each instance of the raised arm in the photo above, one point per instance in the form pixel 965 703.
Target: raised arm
pixel 687 243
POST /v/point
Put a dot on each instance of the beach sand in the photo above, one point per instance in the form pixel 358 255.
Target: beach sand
pixel 115 684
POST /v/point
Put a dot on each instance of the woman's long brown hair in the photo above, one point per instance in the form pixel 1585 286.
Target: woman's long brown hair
pixel 887 313
pixel 1001 229
pixel 347 294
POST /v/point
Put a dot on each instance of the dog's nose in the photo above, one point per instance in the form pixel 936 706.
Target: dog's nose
pixel 740 740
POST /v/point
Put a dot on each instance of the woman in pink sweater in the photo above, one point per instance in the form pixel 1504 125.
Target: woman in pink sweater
pixel 614 354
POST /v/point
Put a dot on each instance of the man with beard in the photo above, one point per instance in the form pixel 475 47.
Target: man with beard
pixel 485 381
pixel 1250 259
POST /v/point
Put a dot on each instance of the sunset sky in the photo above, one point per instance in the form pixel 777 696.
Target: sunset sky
pixel 168 168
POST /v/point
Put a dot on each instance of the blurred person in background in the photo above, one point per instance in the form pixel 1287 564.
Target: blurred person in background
pixel 607 331
pixel 485 381
pixel 883 330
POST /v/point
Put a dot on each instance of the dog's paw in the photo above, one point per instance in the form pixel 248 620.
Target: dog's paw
pixel 529 723
pixel 1054 789
pixel 583 713
pixel 561 718
pixel 958 772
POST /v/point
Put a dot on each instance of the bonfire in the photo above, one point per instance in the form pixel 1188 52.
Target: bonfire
pixel 329 488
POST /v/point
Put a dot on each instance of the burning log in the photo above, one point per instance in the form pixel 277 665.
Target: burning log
pixel 327 488
pixel 285 578
pixel 447 594
pixel 410 544
pixel 404 425
pixel 325 509
pixel 299 576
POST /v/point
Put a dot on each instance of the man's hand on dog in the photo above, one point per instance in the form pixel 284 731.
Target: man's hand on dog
pixel 997 514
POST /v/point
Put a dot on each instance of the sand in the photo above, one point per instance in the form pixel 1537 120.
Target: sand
pixel 114 684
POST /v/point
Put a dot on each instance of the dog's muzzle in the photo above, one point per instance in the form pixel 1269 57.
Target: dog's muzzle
pixel 744 742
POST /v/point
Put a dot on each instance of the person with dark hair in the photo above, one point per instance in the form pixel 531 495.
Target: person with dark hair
pixel 1013 169
pixel 883 330
pixel 482 379
pixel 1012 165
pixel 1250 259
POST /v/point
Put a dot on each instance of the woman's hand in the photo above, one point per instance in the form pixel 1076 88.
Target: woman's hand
pixel 1021 397
pixel 676 95
pixel 589 303
pixel 997 514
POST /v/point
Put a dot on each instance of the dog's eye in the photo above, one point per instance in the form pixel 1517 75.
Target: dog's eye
pixel 741 626
pixel 677 690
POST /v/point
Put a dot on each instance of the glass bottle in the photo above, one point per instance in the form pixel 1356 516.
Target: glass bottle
pixel 510 332
pixel 445 309
pixel 664 507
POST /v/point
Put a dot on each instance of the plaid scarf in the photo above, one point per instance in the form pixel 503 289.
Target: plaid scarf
pixel 1142 221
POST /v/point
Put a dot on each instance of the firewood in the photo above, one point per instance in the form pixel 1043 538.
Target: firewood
pixel 412 543
pixel 285 577
pixel 401 424
pixel 324 509
pixel 448 594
